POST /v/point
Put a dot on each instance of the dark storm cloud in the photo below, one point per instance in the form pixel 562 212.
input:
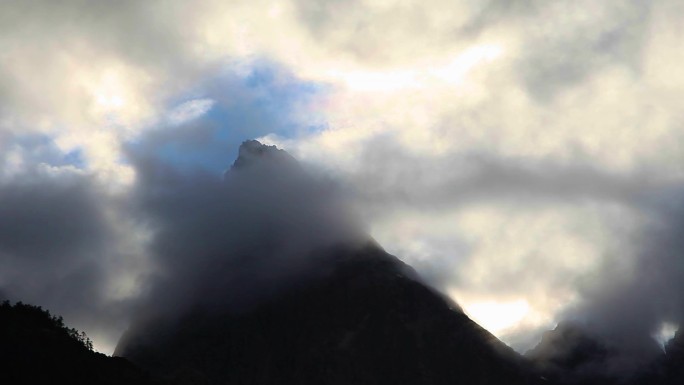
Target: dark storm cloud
pixel 55 247
pixel 48 217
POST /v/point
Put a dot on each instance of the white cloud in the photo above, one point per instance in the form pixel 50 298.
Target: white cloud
pixel 190 110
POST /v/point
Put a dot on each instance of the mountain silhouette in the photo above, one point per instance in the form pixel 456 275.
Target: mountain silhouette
pixel 366 319
pixel 350 313
pixel 673 363
pixel 37 348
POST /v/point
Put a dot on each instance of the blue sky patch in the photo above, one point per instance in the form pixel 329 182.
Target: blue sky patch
pixel 41 148
pixel 264 99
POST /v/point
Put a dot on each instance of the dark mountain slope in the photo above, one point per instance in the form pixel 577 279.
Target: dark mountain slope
pixel 669 370
pixel 37 348
pixel 572 355
pixel 363 319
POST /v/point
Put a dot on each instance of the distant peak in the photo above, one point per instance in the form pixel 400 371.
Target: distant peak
pixel 253 151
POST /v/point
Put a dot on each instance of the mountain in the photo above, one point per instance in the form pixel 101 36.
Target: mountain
pixel 253 152
pixel 364 319
pixel 673 363
pixel 573 355
pixel 570 354
pixel 37 348
pixel 346 313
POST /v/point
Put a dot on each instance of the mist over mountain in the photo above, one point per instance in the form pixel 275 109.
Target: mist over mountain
pixel 360 316
pixel 628 308
pixel 229 242
pixel 574 354
pixel 269 278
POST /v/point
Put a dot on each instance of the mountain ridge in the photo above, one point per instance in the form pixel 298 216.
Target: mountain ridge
pixel 337 311
pixel 367 320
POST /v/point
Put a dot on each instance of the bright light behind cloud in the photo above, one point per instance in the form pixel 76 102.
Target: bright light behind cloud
pixel 666 332
pixel 497 316
pixel 490 257
pixel 456 71
pixel 453 73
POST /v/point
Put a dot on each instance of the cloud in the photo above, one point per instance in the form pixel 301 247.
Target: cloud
pixel 593 37
pixel 190 110
pixel 630 301
pixel 60 249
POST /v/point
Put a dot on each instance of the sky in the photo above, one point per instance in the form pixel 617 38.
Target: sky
pixel 524 156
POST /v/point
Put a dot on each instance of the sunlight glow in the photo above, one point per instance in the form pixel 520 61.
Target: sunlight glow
pixel 453 73
pixel 108 92
pixel 109 102
pixel 456 71
pixel 380 81
pixel 498 316
pixel 665 334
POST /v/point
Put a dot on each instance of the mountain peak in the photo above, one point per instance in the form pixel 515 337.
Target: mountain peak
pixel 253 152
